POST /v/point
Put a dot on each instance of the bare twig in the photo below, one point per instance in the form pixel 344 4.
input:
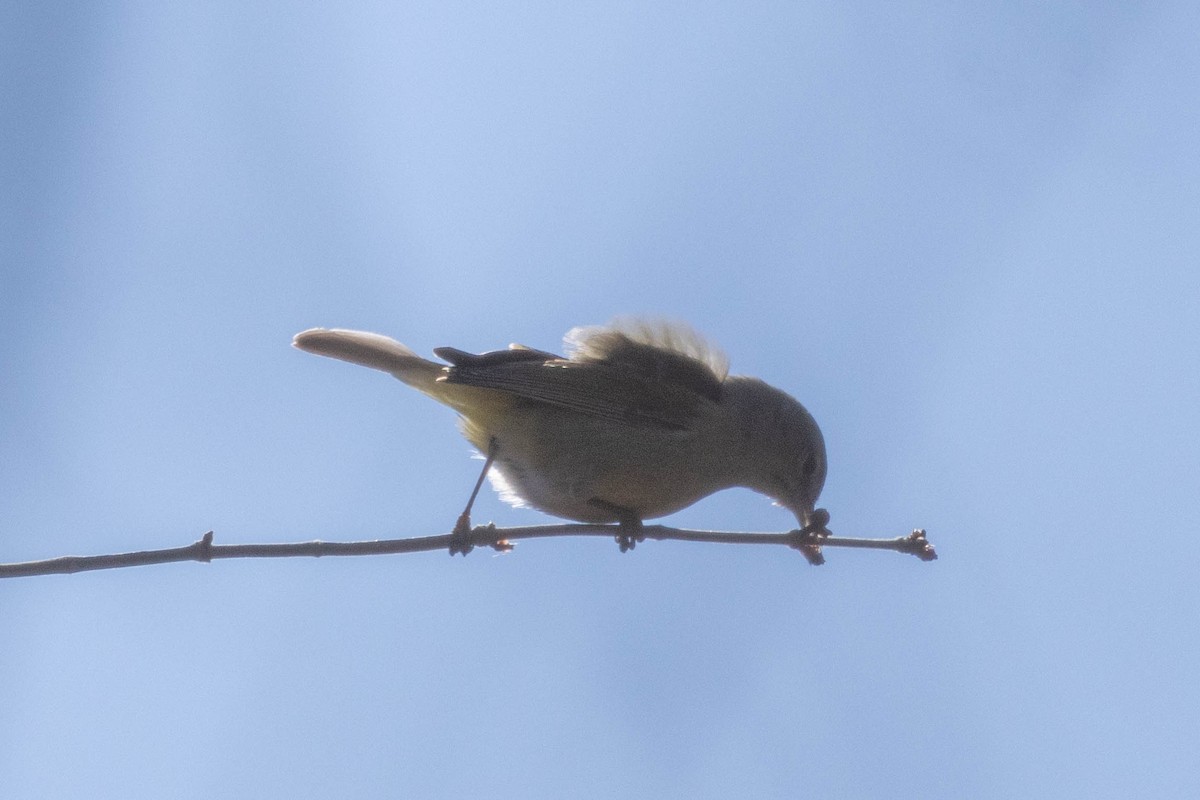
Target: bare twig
pixel 809 543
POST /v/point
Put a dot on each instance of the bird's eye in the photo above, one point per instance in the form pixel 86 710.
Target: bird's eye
pixel 810 466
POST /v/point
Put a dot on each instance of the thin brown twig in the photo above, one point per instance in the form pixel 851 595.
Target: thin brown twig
pixel 807 542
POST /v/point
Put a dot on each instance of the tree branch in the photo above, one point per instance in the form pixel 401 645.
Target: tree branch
pixel 808 542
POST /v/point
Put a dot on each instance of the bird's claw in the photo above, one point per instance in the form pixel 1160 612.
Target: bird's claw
pixel 630 533
pixel 460 537
pixel 630 530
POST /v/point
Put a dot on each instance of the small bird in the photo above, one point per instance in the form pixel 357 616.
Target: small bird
pixel 640 420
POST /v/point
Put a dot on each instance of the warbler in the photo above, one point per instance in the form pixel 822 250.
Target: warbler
pixel 639 420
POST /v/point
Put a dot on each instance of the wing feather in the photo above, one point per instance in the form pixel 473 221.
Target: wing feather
pixel 635 373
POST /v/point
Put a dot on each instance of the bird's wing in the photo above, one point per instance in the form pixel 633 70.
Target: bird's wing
pixel 640 375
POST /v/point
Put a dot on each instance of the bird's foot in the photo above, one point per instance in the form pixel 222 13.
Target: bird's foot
pixel 630 532
pixel 460 537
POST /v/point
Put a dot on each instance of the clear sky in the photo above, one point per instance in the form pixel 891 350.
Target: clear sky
pixel 965 236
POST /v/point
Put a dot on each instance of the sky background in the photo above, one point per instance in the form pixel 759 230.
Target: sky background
pixel 964 236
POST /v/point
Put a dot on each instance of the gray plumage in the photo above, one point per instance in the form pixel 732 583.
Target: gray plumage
pixel 640 420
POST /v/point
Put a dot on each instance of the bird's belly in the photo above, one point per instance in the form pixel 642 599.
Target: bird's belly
pixel 591 473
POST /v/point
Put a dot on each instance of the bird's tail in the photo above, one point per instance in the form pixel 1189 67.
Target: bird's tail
pixel 374 351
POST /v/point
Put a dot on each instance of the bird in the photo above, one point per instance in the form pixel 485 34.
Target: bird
pixel 639 420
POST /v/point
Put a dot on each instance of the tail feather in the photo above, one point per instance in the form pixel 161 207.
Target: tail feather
pixel 371 350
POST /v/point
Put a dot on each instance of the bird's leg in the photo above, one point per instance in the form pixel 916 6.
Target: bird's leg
pixel 460 538
pixel 629 524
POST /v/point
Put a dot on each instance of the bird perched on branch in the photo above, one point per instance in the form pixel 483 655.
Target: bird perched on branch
pixel 640 420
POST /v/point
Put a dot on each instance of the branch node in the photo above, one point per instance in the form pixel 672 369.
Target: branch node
pixel 808 539
pixel 919 546
pixel 204 548
pixel 488 535
pixel 809 544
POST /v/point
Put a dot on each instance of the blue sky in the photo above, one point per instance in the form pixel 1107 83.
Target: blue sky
pixel 965 237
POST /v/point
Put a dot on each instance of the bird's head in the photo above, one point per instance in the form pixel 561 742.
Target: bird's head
pixel 784 451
